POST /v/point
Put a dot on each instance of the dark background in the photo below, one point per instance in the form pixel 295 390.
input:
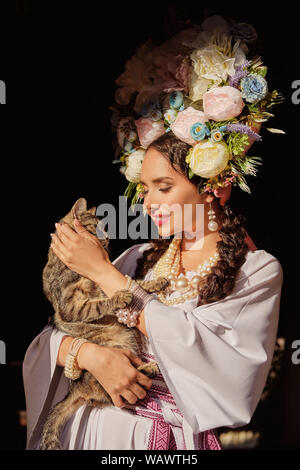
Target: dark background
pixel 59 62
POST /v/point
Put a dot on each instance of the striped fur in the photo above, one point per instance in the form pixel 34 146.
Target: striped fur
pixel 82 309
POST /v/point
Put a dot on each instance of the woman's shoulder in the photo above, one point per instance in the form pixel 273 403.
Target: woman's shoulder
pixel 258 259
pixel 259 265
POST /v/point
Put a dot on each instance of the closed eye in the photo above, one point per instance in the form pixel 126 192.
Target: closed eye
pixel 164 190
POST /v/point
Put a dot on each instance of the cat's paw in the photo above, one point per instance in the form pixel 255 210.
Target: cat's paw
pixel 154 285
pixel 150 369
pixel 121 299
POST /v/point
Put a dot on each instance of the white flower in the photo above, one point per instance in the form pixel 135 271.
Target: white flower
pixel 208 158
pixel 134 165
pixel 211 67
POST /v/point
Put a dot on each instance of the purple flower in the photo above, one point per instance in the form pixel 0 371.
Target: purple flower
pixel 243 129
pixel 240 72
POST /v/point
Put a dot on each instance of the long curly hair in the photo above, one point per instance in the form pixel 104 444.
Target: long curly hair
pixel 232 248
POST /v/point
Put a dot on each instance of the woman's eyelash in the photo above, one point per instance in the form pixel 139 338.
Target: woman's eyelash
pixel 164 190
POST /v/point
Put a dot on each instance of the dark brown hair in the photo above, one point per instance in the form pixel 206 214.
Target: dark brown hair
pixel 232 248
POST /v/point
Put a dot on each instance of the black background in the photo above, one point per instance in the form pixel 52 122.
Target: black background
pixel 59 62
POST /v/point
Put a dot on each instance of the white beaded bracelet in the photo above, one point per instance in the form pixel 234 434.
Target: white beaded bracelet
pixel 129 315
pixel 69 369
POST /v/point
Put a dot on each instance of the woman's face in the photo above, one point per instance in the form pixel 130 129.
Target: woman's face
pixel 169 197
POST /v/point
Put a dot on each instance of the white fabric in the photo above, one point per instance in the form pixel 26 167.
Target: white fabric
pixel 214 359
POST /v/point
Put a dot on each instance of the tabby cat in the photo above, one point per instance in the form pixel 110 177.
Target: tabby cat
pixel 83 310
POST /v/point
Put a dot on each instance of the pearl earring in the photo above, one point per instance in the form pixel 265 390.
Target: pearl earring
pixel 212 224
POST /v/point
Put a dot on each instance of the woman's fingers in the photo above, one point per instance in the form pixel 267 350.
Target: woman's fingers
pixel 117 401
pixel 138 391
pixel 130 396
pixel 144 380
pixel 66 233
pixel 57 246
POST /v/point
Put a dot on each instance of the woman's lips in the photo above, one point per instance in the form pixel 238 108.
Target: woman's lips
pixel 162 219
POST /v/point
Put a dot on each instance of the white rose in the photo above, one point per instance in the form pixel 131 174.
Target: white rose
pixel 211 67
pixel 134 165
pixel 208 159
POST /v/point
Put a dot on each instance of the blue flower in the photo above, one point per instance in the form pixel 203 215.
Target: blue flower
pixel 253 87
pixel 199 131
pixel 216 135
pixel 176 99
pixel 170 115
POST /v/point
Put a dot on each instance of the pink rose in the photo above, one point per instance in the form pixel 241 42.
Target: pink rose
pixel 223 193
pixel 181 127
pixel 149 130
pixel 222 103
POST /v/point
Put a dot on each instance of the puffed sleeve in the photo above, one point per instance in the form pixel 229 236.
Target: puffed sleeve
pixel 215 358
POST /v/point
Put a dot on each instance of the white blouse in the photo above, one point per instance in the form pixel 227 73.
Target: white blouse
pixel 214 360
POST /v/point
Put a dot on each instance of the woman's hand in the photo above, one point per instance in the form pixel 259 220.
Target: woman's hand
pixel 113 369
pixel 81 251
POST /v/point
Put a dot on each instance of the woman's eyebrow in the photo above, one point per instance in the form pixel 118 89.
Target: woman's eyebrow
pixel 159 179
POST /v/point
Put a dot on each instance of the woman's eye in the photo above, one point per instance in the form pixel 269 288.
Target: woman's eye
pixel 164 190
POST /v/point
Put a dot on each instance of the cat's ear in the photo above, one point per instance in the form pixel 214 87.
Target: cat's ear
pixel 92 210
pixel 79 207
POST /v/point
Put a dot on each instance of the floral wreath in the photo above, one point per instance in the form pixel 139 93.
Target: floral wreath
pixel 200 86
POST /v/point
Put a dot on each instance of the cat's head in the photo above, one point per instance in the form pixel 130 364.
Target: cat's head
pixel 86 216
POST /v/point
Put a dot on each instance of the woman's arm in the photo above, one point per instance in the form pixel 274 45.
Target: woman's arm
pixel 115 369
pixel 63 351
pixel 83 253
pixel 111 280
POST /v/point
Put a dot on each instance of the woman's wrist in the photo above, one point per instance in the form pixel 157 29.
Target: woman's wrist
pixel 83 354
pixel 110 280
pixel 86 355
pixel 80 362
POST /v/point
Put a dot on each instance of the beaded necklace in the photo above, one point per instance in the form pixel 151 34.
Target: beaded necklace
pixel 168 266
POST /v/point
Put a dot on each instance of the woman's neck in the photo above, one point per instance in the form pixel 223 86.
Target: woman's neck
pixel 190 257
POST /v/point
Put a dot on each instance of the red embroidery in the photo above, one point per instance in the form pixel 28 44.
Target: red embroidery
pixel 161 435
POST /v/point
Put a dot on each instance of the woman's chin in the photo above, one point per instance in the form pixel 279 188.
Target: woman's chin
pixel 165 231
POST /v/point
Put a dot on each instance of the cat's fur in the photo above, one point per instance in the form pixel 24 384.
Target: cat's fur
pixel 83 310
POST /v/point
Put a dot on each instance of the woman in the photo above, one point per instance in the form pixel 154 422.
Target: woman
pixel 214 352
pixel 188 108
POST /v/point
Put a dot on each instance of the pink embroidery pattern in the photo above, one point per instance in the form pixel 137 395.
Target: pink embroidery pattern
pixel 161 435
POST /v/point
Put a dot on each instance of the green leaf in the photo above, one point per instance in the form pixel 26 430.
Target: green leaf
pixel 237 142
pixel 197 105
pixel 253 107
pixel 262 71
pixel 191 174
pixel 129 190
pixel 275 131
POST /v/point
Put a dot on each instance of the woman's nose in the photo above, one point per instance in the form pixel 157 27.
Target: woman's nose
pixel 150 205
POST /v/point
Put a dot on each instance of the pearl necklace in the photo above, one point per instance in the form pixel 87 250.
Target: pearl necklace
pixel 168 266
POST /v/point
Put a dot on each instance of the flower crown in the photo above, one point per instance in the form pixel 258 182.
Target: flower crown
pixel 200 86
